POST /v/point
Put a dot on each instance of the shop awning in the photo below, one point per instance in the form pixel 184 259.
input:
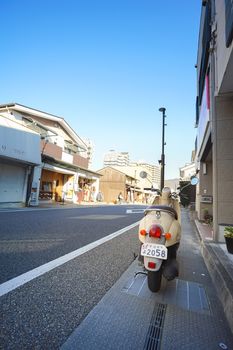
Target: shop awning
pixel 58 169
pixel 73 169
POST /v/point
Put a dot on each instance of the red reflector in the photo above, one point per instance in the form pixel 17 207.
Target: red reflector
pixel 155 231
pixel 151 265
pixel 168 236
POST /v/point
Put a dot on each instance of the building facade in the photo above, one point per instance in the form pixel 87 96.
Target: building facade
pixel 113 181
pixel 122 161
pixel 20 162
pixel 187 171
pixel 153 171
pixel 214 118
pixel 127 180
pixel 62 169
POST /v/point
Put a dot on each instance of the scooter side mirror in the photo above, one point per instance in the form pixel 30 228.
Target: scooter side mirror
pixel 194 181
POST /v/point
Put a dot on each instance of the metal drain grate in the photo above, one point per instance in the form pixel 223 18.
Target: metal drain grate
pixel 154 335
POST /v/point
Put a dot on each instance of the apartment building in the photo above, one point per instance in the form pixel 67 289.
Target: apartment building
pixel 214 118
pixel 113 158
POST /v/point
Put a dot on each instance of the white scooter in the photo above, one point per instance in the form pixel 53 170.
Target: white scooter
pixel 160 233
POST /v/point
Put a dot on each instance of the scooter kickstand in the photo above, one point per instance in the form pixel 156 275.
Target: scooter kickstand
pixel 140 273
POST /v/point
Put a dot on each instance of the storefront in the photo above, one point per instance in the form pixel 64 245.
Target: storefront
pixel 56 183
pixel 86 186
pixel 60 183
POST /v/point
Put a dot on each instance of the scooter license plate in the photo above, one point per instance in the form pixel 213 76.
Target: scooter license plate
pixel 152 250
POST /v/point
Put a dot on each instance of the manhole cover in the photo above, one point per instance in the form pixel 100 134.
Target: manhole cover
pixel 187 295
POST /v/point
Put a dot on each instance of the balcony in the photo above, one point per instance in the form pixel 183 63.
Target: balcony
pixel 80 161
pixel 58 153
pixel 50 149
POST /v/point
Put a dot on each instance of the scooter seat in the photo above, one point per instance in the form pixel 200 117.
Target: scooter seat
pixel 165 208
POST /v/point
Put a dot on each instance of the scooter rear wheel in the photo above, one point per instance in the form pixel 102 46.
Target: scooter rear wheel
pixel 154 280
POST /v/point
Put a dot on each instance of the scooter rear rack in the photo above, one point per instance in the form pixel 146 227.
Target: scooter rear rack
pixel 164 208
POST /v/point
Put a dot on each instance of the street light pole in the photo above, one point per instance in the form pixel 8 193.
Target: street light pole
pixel 162 162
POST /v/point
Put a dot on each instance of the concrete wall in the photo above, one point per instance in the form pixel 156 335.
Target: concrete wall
pixel 205 188
pixel 224 138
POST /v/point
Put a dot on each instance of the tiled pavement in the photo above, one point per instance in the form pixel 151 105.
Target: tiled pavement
pixel 220 265
pixel 185 314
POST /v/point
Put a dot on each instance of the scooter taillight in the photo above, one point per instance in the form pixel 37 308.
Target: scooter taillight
pixel 155 231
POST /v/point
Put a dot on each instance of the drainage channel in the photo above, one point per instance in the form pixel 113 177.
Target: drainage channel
pixel 154 335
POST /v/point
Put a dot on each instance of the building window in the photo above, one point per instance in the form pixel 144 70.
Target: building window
pixel 47 186
pixel 197 111
pixel 206 36
pixel 229 21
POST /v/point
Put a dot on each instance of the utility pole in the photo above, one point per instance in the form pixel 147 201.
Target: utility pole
pixel 162 161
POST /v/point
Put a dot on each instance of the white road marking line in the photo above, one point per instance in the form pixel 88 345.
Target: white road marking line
pixel 142 286
pixel 134 211
pixel 20 280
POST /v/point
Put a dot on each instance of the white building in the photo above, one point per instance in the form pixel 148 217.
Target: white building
pixel 20 162
pixel 113 158
pixel 154 171
pixel 187 171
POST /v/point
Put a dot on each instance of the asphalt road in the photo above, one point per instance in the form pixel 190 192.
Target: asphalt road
pixel 42 313
pixel 31 238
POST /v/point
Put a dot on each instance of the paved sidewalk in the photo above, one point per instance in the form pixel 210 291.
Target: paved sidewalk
pixel 59 205
pixel 186 313
pixel 68 204
pixel 51 205
pixel 220 265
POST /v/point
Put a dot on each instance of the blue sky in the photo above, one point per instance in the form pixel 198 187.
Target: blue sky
pixel 107 66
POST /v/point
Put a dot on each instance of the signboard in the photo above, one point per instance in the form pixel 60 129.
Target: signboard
pixel 66 157
pixel 20 145
pixel 204 115
pixel 33 198
pixel 206 199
